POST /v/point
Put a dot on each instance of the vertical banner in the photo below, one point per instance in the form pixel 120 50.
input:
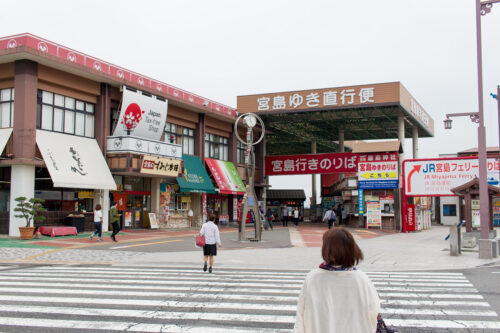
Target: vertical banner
pixel 373 214
pixel 360 202
pixel 235 209
pixel 204 207
pixel 411 218
pixel 128 219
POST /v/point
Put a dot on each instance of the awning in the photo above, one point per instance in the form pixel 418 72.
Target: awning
pixel 226 176
pixel 74 161
pixel 195 177
pixel 5 134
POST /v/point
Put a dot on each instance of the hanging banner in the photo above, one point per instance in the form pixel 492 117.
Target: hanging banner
pixel 373 215
pixel 437 176
pixel 121 200
pixel 360 202
pixel 141 115
pixel 378 171
pixel 311 164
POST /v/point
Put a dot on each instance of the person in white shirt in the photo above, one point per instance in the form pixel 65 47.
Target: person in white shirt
pixel 337 297
pixel 190 217
pixel 212 238
pixel 296 215
pixel 97 223
pixel 329 217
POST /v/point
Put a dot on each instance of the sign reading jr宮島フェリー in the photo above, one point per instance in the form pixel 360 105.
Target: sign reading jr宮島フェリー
pixel 437 176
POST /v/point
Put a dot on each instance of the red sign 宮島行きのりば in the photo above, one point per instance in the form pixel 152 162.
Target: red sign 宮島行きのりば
pixel 311 164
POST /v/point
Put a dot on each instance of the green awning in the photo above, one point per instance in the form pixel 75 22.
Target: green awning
pixel 195 177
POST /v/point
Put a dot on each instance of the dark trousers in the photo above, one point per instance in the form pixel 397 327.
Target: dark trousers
pixel 339 217
pixel 285 221
pixel 330 223
pixel 98 229
pixel 116 229
pixel 296 221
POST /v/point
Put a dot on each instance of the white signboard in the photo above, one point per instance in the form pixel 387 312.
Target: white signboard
pixel 132 144
pixel 436 177
pixel 141 116
pixel 74 161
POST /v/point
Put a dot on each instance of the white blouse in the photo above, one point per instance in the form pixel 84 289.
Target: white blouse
pixel 211 233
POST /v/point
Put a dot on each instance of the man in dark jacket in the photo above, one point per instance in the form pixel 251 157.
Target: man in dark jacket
pixel 114 218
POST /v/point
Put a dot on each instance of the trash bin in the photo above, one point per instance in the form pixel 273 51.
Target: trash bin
pixel 76 221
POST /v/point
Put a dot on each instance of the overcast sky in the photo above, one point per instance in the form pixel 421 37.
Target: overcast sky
pixel 222 49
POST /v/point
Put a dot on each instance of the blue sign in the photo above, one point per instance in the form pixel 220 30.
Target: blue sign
pixel 360 202
pixel 378 184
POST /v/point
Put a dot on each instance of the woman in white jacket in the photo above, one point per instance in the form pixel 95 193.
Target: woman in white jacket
pixel 212 238
pixel 337 297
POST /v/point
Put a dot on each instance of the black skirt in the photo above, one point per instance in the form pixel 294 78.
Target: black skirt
pixel 210 250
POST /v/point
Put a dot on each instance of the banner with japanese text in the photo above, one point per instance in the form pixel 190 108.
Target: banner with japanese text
pixel 311 164
pixel 378 171
pixel 436 177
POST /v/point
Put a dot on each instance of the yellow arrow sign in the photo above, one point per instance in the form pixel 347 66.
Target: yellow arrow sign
pixel 379 175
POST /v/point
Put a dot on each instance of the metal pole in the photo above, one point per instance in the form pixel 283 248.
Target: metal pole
pixel 481 132
pixel 498 104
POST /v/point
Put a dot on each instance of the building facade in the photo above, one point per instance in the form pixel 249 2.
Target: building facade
pixel 77 131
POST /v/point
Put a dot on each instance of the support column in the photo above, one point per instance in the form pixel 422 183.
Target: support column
pixel 155 195
pixel 22 185
pixel 415 141
pixel 199 138
pixel 401 138
pixel 232 148
pixel 341 141
pixel 105 208
pixel 103 116
pixel 313 176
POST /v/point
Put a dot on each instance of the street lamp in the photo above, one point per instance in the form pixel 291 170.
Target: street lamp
pixel 485 244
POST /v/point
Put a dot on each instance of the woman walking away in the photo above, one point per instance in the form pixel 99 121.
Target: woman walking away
pixel 269 219
pixel 114 217
pixel 337 297
pixel 97 223
pixel 212 238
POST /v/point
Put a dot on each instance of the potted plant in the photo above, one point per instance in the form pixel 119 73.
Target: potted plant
pixel 30 210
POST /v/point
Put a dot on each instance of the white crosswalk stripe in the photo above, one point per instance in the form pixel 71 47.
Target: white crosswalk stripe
pixel 185 299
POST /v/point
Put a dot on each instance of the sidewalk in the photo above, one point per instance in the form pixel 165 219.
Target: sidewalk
pixel 282 248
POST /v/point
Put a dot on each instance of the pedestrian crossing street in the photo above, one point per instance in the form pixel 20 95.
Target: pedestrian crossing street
pixel 185 299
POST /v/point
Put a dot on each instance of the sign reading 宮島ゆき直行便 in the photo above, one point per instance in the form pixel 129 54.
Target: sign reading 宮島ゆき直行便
pixel 141 116
pixel 437 177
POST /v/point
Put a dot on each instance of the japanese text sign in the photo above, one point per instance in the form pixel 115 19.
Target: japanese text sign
pixel 437 177
pixel 311 164
pixel 154 165
pixel 378 171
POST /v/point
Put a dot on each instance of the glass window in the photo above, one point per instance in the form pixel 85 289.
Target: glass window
pixel 80 106
pixel 216 147
pixel 89 126
pixel 47 117
pixel 187 138
pixel 58 119
pixel 6 107
pixel 449 210
pixel 58 100
pixel 5 95
pixel 171 133
pixel 48 98
pixel 5 115
pixel 65 114
pixel 80 124
pixel 69 121
pixel 69 103
pixel 240 153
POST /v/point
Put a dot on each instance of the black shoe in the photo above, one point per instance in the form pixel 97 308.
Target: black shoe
pixel 210 269
pixel 205 267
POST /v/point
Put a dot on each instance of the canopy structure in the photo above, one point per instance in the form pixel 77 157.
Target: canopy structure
pixel 195 177
pixel 74 161
pixel 328 116
pixel 226 176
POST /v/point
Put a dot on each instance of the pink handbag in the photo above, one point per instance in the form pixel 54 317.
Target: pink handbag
pixel 200 241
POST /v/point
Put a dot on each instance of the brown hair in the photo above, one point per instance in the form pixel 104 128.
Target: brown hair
pixel 340 248
pixel 98 207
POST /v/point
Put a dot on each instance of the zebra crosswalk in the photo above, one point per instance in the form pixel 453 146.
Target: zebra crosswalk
pixel 185 299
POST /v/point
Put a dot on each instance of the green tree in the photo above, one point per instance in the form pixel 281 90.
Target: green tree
pixel 30 209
